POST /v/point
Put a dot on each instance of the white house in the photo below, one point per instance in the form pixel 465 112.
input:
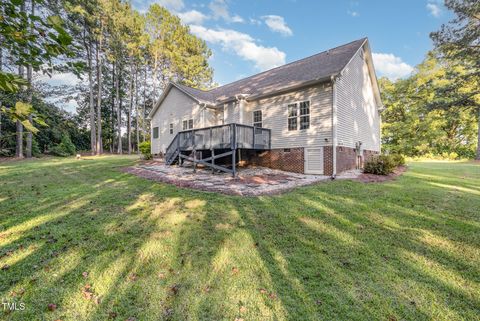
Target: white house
pixel 317 115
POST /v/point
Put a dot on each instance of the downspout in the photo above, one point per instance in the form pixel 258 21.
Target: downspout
pixel 334 79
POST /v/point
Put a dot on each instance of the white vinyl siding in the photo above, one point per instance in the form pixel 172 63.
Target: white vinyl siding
pixel 176 107
pixel 232 112
pixel 357 115
pixel 275 115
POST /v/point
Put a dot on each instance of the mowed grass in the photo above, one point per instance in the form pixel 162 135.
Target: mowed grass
pixel 101 244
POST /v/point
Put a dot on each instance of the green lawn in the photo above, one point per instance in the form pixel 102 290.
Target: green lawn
pixel 101 244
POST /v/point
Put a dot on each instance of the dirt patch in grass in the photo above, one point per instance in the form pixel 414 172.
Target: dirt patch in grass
pixel 372 178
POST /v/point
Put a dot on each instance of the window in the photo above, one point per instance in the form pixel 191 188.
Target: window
pixel 257 118
pixel 187 124
pixel 304 115
pixel 155 132
pixel 171 129
pixel 299 114
pixel 292 117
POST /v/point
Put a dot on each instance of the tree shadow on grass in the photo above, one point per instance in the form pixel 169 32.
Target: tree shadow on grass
pixel 348 258
pixel 101 232
pixel 341 250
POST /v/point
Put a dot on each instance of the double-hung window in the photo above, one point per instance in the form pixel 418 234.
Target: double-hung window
pixel 257 118
pixel 155 132
pixel 187 124
pixel 171 129
pixel 299 115
pixel 304 115
pixel 292 116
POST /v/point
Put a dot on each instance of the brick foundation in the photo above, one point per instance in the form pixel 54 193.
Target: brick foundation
pixel 346 158
pixel 327 160
pixel 290 160
pixel 293 159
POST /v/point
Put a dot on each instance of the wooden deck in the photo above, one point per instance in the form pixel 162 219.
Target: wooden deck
pixel 225 139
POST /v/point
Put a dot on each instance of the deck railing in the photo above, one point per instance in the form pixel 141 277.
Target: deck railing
pixel 230 136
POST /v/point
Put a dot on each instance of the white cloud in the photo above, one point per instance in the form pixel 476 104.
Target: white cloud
pixel 353 13
pixel 243 45
pixel 277 24
pixel 171 4
pixel 237 18
pixel 434 8
pixel 219 10
pixel 390 66
pixel 254 21
pixel 192 16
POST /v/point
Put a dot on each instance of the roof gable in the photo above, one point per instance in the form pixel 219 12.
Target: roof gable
pixel 319 67
pixel 165 93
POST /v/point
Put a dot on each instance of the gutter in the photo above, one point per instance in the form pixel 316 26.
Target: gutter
pixel 334 79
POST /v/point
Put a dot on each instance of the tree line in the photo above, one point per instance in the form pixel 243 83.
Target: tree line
pixel 123 58
pixel 436 110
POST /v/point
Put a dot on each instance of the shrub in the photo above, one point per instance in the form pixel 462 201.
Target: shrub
pixel 450 156
pixel 65 148
pixel 35 148
pixel 145 149
pixel 380 165
pixel 398 159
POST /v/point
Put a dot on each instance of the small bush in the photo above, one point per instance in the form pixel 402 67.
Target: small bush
pixel 65 148
pixel 398 159
pixel 380 165
pixel 145 149
pixel 450 156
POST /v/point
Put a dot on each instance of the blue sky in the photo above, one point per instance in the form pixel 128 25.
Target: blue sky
pixel 247 37
pixel 250 36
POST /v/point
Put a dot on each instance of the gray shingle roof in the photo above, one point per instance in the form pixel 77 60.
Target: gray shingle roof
pixel 316 67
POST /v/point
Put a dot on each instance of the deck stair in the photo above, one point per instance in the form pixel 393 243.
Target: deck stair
pixel 217 142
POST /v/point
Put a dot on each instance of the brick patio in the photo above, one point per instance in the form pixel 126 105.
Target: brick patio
pixel 252 181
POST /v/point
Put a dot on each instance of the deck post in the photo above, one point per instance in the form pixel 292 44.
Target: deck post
pixel 234 168
pixel 269 139
pixel 234 148
pixel 194 152
pixel 213 160
pixel 178 149
pixel 194 160
pixel 253 140
pixel 212 151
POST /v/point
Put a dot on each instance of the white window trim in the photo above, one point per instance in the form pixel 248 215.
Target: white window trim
pixel 297 102
pixel 188 123
pixel 253 117
pixel 158 132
